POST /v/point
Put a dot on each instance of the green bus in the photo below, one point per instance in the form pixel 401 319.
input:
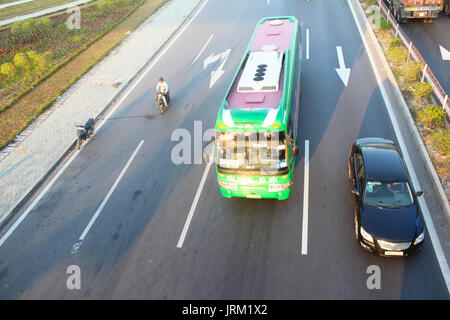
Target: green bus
pixel 256 127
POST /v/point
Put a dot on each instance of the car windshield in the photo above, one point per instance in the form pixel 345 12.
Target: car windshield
pixel 252 153
pixel 388 194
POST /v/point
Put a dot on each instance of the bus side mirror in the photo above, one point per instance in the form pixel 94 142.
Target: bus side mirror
pixel 208 151
pixel 294 151
pixel 294 148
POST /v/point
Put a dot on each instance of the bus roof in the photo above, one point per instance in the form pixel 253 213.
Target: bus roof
pixel 258 86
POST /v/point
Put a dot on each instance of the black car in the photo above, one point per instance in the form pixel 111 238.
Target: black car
pixel 388 220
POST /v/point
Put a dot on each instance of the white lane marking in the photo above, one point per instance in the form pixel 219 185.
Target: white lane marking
pixel 36 200
pixel 203 49
pixel 41 195
pixel 305 201
pixel 440 256
pixel 193 206
pixel 342 71
pixel 105 200
pixel 307 44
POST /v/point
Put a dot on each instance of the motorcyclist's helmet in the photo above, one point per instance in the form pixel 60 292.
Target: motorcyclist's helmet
pixel 161 79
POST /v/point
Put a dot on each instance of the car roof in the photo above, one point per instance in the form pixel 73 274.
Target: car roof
pixel 383 164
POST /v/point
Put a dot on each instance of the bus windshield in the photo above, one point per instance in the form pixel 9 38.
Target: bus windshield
pixel 252 153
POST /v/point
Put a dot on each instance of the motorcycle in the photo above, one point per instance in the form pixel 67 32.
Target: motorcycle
pixel 84 131
pixel 162 101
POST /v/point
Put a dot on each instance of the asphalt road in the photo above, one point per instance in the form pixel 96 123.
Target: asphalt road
pixel 428 38
pixel 234 248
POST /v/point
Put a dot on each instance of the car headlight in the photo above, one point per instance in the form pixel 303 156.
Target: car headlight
pixel 419 238
pixel 229 186
pixel 366 235
pixel 279 187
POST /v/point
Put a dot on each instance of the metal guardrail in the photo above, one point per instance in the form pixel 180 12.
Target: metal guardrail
pixel 415 54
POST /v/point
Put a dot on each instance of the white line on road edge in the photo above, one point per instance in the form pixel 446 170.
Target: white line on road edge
pixel 307 44
pixel 35 202
pixel 203 49
pixel 440 256
pixel 305 201
pixel 99 210
pixel 193 206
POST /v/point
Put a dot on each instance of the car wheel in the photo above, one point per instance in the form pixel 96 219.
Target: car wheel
pixel 356 228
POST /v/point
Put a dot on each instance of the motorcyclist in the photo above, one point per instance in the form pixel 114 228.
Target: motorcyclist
pixel 163 88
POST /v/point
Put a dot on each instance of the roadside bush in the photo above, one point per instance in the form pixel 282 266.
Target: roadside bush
pixel 422 91
pixel 106 5
pixel 411 70
pixel 432 117
pixel 8 69
pixel 394 42
pixel 23 27
pixel 46 22
pixel 397 55
pixel 385 25
pixel 111 4
pixel 441 141
pixel 21 61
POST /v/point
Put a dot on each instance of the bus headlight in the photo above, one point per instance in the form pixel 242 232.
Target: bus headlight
pixel 229 186
pixel 279 187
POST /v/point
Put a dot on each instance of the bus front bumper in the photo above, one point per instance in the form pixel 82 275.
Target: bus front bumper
pixel 255 194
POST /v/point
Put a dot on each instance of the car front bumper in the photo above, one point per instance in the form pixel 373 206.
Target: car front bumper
pixel 377 249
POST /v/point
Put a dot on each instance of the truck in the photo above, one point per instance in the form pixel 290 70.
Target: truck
pixel 428 10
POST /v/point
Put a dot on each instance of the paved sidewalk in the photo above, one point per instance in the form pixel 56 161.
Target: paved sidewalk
pixel 29 161
pixel 44 12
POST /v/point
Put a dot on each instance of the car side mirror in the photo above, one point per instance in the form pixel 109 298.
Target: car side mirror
pixel 355 192
pixel 419 193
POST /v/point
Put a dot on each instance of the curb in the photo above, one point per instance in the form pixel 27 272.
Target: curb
pixel 404 111
pixel 28 194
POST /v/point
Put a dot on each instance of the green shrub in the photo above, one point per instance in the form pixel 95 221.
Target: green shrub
pixel 394 42
pixel 21 61
pixel 8 69
pixel 385 25
pixel 46 22
pixel 441 141
pixel 106 5
pixel 411 70
pixel 397 54
pixel 371 2
pixel 432 116
pixel 422 91
pixel 23 27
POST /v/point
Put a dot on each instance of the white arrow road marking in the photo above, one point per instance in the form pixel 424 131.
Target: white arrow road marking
pixel 215 75
pixel 342 71
pixel 444 53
